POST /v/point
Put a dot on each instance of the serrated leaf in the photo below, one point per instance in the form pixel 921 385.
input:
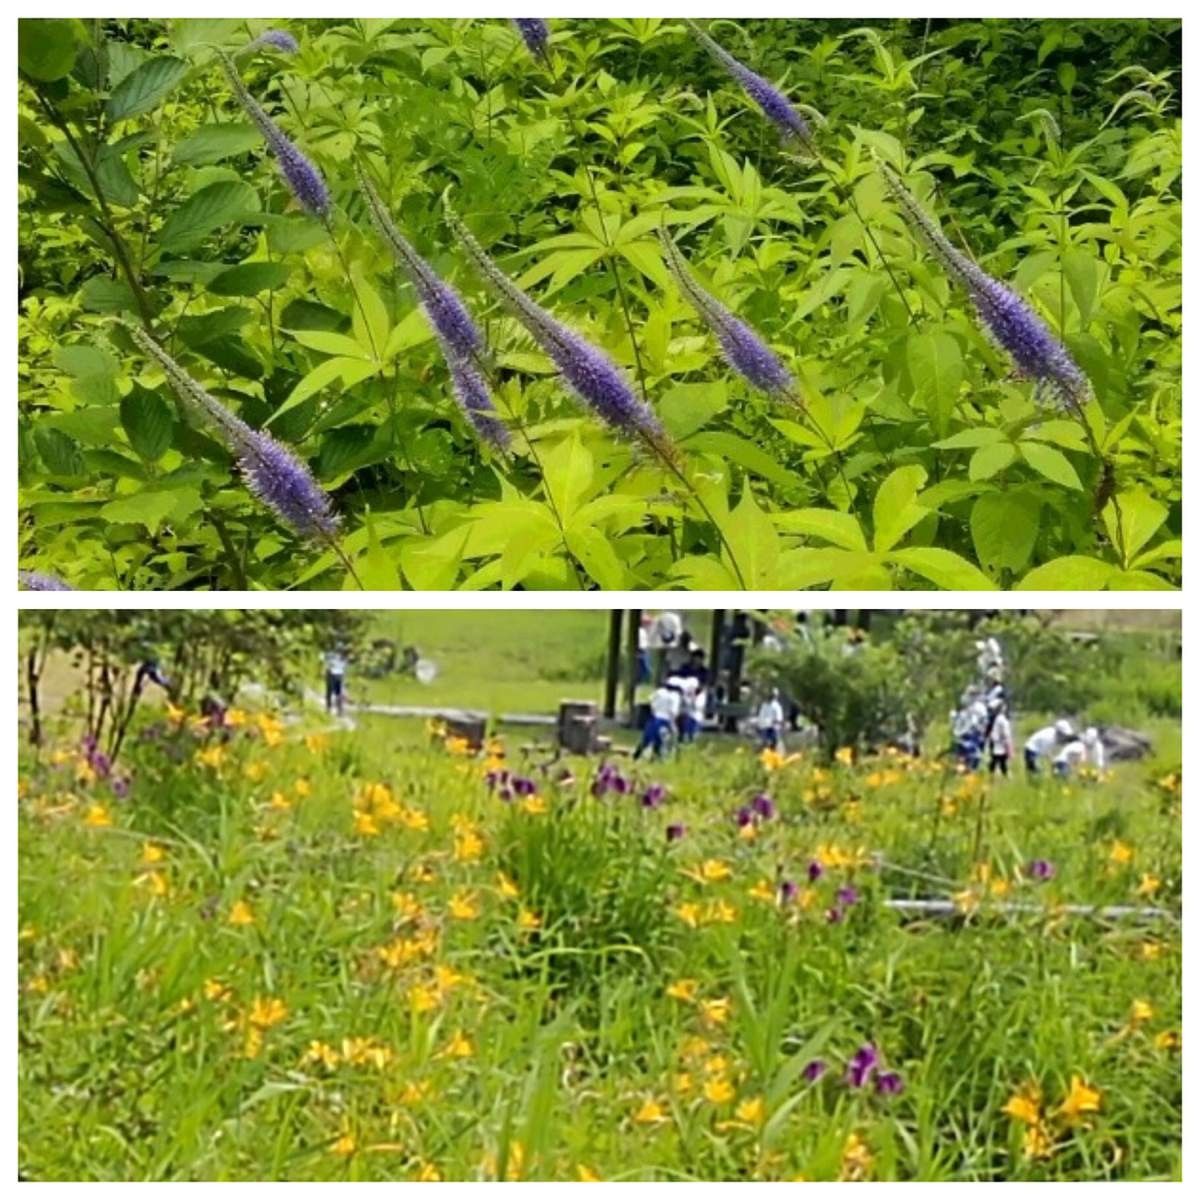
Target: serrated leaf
pixel 370 318
pixel 991 460
pixel 896 509
pixel 1139 520
pixel 1004 528
pixel 213 143
pixel 753 543
pixel 226 202
pixel 376 569
pixel 567 472
pixel 936 366
pixel 148 423
pixel 688 407
pixel 1082 272
pixel 46 47
pixel 1074 573
pixel 144 87
pixel 1051 463
pixel 702 573
pixel 153 507
pixel 432 564
pixel 595 553
pixel 841 529
pixel 972 439
pixel 744 453
pixel 944 568
pixel 248 279
pixel 59 452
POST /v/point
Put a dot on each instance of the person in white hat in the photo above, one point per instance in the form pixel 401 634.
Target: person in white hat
pixel 1044 741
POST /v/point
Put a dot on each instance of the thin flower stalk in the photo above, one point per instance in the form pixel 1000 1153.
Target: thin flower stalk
pixel 1009 319
pixel 303 179
pixel 271 471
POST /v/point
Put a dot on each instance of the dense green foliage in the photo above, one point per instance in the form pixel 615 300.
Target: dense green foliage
pixel 1049 151
pixel 291 954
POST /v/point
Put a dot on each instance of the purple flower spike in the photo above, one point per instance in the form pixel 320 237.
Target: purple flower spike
pixel 1041 870
pixel 588 371
pixel 271 471
pixel 675 832
pixel 654 796
pixel 776 107
pixel 277 39
pixel 1010 320
pixel 36 581
pixel 847 896
pixel 815 871
pixel 860 1068
pixel 815 1069
pixel 535 33
pixel 303 179
pixel 764 807
pixel 889 1083
pixel 788 891
pixel 744 350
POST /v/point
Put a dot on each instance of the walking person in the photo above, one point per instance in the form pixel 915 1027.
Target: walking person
pixel 770 722
pixel 664 712
pixel 336 665
pixel 1000 742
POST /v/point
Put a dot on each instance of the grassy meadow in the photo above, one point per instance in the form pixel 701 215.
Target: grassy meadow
pixel 282 951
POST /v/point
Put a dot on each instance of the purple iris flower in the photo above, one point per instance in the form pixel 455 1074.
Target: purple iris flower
pixel 675 832
pixel 815 1069
pixel 788 891
pixel 764 806
pixel 861 1067
pixel 653 796
pixel 744 816
pixel 120 788
pixel 506 793
pixel 523 786
pixel 1041 870
pixel 815 871
pixel 846 896
pixel 889 1083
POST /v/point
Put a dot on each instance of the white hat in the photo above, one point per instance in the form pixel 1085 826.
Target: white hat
pixel 1091 735
pixel 1064 729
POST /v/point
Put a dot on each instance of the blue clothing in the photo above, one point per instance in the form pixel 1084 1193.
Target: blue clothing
pixel 654 737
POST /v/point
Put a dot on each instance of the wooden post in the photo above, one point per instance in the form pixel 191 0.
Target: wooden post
pixel 612 674
pixel 631 664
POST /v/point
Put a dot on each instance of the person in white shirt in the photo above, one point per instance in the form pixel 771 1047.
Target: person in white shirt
pixel 664 711
pixel 770 722
pixel 1087 750
pixel 335 681
pixel 1000 742
pixel 691 715
pixel 1044 741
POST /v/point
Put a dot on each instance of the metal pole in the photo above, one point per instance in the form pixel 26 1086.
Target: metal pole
pixel 631 665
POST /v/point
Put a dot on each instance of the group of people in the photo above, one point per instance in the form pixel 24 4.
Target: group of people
pixel 677 707
pixel 983 722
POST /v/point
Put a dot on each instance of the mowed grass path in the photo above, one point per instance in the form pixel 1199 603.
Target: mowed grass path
pixel 336 957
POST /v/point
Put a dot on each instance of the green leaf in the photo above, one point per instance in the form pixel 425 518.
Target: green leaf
pixel 943 568
pixel 1051 463
pixel 753 543
pixel 842 529
pixel 59 452
pixel 1139 581
pixel 46 47
pixel 248 279
pixel 1004 528
pixel 432 564
pixel 144 87
pixel 688 407
pixel 154 507
pixel 1140 517
pixel 991 460
pixel 332 343
pixel 598 558
pixel 936 366
pixel 349 370
pixel 972 439
pixel 704 573
pixel 567 471
pixel 213 143
pixel 376 569
pixel 1082 272
pixel 103 295
pixel 745 453
pixel 148 421
pixel 896 510
pixel 370 318
pixel 1074 573
pixel 225 203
